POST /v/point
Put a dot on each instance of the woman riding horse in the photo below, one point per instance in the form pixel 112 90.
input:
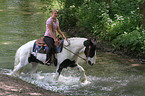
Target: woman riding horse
pixel 52 25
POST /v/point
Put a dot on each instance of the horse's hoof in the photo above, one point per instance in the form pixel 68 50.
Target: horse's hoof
pixel 83 80
pixel 55 79
pixel 12 75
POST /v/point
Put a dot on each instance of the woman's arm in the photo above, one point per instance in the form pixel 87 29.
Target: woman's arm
pixel 59 31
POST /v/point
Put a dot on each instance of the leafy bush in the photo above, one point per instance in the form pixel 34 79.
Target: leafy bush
pixel 124 7
pixel 130 42
pixel 120 25
pixel 68 16
pixel 92 17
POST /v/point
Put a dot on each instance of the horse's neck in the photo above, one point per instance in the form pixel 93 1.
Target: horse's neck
pixel 75 47
pixel 76 44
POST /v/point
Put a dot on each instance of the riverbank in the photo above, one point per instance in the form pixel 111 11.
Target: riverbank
pixel 12 86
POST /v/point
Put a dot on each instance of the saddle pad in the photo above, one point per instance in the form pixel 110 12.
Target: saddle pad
pixel 43 49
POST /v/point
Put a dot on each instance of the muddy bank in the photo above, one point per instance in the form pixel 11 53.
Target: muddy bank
pixel 12 86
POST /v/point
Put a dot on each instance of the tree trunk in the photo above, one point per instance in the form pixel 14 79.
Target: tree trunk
pixel 142 11
pixel 144 15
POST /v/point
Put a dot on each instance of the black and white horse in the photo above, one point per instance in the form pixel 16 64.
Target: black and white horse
pixel 67 58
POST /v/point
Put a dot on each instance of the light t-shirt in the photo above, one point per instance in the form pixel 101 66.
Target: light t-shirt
pixel 55 25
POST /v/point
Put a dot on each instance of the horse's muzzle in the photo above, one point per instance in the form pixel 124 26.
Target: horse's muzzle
pixel 89 62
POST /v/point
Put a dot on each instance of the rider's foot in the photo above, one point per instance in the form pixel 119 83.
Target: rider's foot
pixel 48 62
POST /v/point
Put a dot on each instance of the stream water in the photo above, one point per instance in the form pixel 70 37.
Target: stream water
pixel 23 20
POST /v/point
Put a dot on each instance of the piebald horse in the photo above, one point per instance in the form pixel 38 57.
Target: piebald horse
pixel 67 58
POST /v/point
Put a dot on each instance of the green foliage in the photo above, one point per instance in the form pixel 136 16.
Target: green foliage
pixel 121 25
pixel 92 17
pixel 140 1
pixel 131 42
pixel 124 7
pixel 116 21
pixel 67 17
pixel 68 12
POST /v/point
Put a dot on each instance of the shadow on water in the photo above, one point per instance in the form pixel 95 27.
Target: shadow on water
pixel 112 75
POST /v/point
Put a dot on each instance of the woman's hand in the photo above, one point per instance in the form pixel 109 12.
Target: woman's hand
pixel 64 37
pixel 59 31
pixel 56 42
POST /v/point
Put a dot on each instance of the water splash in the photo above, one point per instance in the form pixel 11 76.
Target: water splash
pixel 46 80
pixel 95 86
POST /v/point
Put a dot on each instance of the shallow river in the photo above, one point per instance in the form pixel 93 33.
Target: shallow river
pixel 23 20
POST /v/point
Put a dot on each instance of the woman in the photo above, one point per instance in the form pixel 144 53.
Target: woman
pixel 52 25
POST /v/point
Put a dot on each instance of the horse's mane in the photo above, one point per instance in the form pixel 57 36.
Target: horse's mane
pixel 75 38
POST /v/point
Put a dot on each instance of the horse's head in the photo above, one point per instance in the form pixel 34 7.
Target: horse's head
pixel 90 51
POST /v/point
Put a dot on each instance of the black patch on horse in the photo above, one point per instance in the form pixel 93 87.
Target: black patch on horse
pixel 32 58
pixel 66 63
pixel 88 43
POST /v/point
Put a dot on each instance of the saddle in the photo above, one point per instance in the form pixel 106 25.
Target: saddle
pixel 41 47
pixel 40 42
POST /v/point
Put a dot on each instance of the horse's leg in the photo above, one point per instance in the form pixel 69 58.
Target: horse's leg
pixel 83 75
pixel 58 72
pixel 56 76
pixel 21 64
pixel 66 63
pixel 18 69
pixel 80 68
pixel 34 67
pixel 21 70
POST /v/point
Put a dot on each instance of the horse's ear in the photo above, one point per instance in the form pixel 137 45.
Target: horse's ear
pixel 87 43
pixel 94 41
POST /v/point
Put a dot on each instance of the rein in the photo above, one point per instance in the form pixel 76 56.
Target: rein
pixel 75 53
